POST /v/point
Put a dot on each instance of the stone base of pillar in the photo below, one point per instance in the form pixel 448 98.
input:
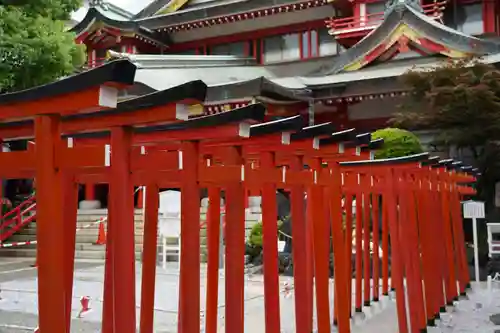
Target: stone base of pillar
pixel 89 204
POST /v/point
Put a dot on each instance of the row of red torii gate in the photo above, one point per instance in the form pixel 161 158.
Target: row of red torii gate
pixel 83 136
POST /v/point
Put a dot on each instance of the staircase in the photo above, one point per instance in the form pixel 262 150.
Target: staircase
pixel 84 237
pixel 17 218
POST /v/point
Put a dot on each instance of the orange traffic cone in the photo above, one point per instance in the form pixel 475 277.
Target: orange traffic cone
pixel 101 237
pixel 85 302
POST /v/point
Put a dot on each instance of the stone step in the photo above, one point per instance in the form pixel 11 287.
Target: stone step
pixel 88 237
pixel 100 248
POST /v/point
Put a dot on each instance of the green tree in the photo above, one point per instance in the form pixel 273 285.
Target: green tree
pixel 460 102
pixel 397 143
pixel 35 46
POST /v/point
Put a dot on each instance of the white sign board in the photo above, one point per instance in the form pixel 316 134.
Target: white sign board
pixel 474 210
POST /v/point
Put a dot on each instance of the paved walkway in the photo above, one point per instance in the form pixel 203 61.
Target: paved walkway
pixel 18 309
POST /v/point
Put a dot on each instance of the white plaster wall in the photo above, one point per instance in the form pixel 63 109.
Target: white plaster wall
pixel 375 108
pixel 254 24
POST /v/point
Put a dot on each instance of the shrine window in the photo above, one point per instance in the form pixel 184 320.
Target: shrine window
pixel 465 17
pixel 472 23
pixel 238 49
pixel 327 43
pixel 281 48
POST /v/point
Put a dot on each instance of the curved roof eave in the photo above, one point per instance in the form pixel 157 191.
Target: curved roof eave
pixel 431 30
pixel 93 15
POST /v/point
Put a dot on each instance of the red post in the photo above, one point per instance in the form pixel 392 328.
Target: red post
pixel 149 258
pixel 123 249
pixel 348 243
pixel 70 188
pixel 50 231
pixel 213 249
pixel 235 249
pixel 140 197
pixel 397 263
pixel 303 297
pixel 189 295
pixel 376 258
pixel 321 242
pixel 270 244
pixel 385 248
pixel 359 249
pixel 365 184
pixel 342 275
pixel 89 191
pixel 108 312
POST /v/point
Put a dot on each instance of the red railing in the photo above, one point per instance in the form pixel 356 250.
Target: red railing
pixel 17 218
pixel 337 25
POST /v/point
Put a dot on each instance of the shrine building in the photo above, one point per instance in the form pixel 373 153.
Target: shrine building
pixel 331 60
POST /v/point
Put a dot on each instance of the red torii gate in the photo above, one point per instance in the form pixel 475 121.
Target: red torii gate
pixel 56 175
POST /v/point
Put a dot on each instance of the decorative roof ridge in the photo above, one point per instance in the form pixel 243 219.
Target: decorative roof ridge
pixel 93 15
pixel 106 5
pixel 210 5
pixel 403 13
pixel 147 61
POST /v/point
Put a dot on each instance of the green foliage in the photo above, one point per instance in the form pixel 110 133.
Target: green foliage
pixel 35 47
pixel 397 143
pixel 255 237
pixel 460 101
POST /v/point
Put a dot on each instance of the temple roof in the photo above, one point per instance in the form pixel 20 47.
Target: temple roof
pixel 406 27
pixel 161 7
pixel 95 19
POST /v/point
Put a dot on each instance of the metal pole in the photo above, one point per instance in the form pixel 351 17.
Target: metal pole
pixel 476 249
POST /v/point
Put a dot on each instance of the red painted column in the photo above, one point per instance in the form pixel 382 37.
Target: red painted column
pixel 123 247
pixel 376 242
pixel 140 197
pixel 342 275
pixel 149 258
pixel 303 297
pixel 235 250
pixel 70 190
pixel 50 226
pixel 270 244
pixel 89 191
pixel 108 313
pixel 365 184
pixel 189 295
pixel 489 16
pixel 359 249
pixel 348 243
pixel 391 200
pixel 213 249
pixel 321 242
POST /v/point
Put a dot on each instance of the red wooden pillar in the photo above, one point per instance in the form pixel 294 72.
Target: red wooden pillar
pixel 235 249
pixel 376 258
pixel 89 191
pixel 451 283
pixel 108 313
pixel 321 242
pixel 365 185
pixel 342 275
pixel 70 190
pixel 50 227
pixel 348 243
pixel 390 198
pixel 359 249
pixel 123 246
pixel 414 276
pixel 270 244
pixel 489 16
pixel 140 197
pixel 303 296
pixel 149 258
pixel 189 285
pixel 213 249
